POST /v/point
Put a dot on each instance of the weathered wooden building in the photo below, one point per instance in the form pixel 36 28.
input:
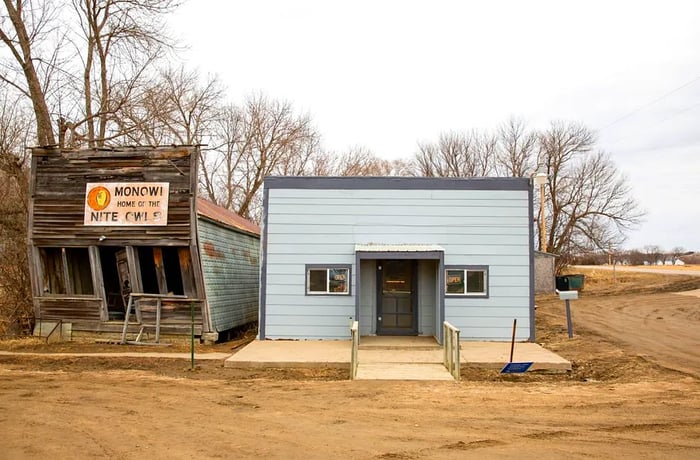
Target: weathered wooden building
pixel 105 224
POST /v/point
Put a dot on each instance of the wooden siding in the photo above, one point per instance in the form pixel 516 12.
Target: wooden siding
pixel 475 227
pixel 58 186
pixel 175 314
pixel 230 263
pixel 67 308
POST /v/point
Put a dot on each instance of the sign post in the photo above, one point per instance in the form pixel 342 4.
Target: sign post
pixel 568 296
pixel 511 367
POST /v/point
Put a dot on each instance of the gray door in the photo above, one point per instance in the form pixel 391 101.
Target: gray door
pixel 396 297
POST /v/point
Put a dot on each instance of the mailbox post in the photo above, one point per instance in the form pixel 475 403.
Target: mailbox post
pixel 568 296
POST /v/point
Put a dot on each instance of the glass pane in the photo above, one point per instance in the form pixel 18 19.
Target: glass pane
pixel 404 305
pixel 389 321
pixel 475 282
pixel 338 279
pixel 398 276
pixel 405 321
pixel 454 281
pixel 317 280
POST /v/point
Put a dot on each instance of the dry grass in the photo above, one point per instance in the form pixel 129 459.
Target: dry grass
pixel 671 268
pixel 601 282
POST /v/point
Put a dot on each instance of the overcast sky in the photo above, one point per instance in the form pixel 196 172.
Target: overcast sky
pixel 387 74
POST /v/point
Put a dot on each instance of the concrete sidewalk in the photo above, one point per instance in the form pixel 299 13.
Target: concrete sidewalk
pixel 329 353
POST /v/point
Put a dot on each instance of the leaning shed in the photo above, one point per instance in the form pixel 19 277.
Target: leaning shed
pixel 110 225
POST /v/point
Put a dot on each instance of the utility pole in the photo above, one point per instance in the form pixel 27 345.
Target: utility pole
pixel 541 179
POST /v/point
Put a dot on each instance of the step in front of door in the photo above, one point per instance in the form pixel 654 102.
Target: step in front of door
pixel 402 371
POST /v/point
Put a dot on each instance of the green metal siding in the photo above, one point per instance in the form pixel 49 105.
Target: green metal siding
pixel 230 265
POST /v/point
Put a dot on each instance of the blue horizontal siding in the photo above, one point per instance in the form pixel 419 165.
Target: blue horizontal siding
pixel 475 227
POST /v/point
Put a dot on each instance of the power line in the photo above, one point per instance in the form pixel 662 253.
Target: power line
pixel 638 109
pixel 670 117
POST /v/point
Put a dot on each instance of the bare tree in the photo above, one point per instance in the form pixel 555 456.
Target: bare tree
pixel 178 107
pixel 15 298
pixel 654 253
pixel 457 155
pixel 81 65
pixel 676 253
pixel 517 149
pixel 357 161
pixel 633 257
pixel 263 137
pixel 23 27
pixel 220 162
pixel 590 203
pixel 122 39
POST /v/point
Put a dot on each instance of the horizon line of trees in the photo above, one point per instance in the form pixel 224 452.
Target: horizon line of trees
pixel 648 255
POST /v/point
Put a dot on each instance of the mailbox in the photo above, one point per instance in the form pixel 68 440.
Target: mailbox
pixel 568 295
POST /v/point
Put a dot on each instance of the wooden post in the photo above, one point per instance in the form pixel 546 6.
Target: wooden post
pixel 126 318
pixel 192 336
pixel 512 340
pixel 569 326
pixel 543 224
pixel 159 305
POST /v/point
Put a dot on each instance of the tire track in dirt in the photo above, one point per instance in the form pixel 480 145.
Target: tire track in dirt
pixel 662 328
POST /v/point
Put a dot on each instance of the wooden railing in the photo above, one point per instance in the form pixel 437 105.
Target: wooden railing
pixel 451 349
pixel 134 303
pixel 355 334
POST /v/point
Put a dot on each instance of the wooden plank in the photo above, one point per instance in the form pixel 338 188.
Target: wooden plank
pixel 66 273
pixel 160 270
pixel 67 308
pixel 186 271
pixel 98 280
pixel 132 258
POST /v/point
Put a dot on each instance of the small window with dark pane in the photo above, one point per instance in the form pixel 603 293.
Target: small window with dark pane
pixel 466 281
pixel 328 280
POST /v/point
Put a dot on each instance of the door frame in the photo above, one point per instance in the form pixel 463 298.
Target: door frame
pixel 431 254
pixel 414 300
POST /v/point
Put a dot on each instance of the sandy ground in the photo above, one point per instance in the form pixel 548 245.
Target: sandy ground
pixel 625 398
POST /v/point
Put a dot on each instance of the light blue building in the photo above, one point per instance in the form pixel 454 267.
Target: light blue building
pixel 401 255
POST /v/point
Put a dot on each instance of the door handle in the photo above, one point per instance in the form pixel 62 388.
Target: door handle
pixel 379 318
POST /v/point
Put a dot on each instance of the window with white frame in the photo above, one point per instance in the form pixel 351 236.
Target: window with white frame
pixel 466 281
pixel 328 279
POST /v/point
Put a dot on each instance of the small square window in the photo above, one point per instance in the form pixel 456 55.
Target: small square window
pixel 468 281
pixel 332 280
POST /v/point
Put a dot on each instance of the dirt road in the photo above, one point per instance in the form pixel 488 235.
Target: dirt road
pixel 136 414
pixel 614 404
pixel 664 328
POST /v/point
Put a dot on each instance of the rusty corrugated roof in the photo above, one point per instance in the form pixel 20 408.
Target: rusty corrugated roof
pixel 218 214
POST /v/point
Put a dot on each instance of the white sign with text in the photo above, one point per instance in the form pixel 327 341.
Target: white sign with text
pixel 126 203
